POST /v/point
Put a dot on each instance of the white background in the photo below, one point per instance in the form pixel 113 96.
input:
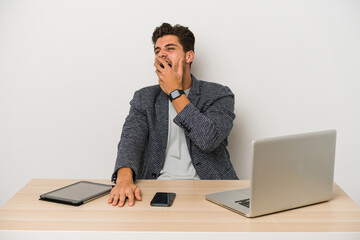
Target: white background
pixel 68 70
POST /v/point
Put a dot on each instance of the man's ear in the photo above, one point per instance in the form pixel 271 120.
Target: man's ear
pixel 189 56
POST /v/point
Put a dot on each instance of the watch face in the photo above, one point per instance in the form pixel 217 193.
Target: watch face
pixel 175 94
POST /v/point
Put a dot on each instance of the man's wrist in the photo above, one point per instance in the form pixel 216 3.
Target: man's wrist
pixel 180 103
pixel 125 174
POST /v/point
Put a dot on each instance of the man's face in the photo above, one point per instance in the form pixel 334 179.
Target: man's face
pixel 169 48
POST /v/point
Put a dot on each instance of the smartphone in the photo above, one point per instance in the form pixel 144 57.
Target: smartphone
pixel 163 199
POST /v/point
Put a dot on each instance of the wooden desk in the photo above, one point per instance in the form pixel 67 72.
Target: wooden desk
pixel 189 213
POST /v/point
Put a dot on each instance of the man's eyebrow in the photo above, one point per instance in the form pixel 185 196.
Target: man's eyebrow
pixel 171 45
pixel 167 45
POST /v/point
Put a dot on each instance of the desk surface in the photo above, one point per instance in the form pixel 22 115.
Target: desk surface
pixel 190 211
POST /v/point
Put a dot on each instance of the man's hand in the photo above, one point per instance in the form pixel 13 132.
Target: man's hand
pixel 124 188
pixel 170 78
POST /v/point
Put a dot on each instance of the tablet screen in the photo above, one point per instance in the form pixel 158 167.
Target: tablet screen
pixel 77 192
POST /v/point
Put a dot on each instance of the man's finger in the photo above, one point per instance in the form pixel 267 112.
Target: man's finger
pixel 158 67
pixel 111 198
pixel 122 200
pixel 130 196
pixel 138 194
pixel 158 74
pixel 115 200
pixel 180 66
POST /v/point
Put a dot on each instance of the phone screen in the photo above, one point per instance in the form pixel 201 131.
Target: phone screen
pixel 163 199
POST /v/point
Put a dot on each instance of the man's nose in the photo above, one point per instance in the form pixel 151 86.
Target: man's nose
pixel 162 54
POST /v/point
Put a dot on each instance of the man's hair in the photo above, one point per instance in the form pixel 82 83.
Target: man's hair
pixel 185 36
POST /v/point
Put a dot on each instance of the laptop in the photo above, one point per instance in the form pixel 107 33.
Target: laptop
pixel 288 172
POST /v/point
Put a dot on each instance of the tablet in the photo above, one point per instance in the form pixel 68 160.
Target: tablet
pixel 77 193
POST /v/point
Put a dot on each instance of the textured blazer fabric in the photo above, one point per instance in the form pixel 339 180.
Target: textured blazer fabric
pixel 207 121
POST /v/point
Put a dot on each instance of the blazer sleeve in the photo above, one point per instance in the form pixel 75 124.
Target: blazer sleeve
pixel 212 125
pixel 133 139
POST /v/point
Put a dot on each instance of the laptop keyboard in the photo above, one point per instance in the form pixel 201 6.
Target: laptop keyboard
pixel 244 202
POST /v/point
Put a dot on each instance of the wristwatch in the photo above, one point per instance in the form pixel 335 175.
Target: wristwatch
pixel 175 94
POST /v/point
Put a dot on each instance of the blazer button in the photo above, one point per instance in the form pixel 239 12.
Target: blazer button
pixel 153 175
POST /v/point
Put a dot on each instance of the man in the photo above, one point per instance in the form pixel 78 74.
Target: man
pixel 177 129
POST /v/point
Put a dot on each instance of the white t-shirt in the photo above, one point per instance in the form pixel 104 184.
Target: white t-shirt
pixel 177 163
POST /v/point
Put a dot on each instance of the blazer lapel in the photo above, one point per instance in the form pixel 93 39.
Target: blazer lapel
pixel 194 95
pixel 162 118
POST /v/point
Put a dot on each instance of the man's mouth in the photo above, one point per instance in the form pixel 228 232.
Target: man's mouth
pixel 161 65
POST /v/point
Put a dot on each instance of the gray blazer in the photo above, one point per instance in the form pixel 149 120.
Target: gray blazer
pixel 207 121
